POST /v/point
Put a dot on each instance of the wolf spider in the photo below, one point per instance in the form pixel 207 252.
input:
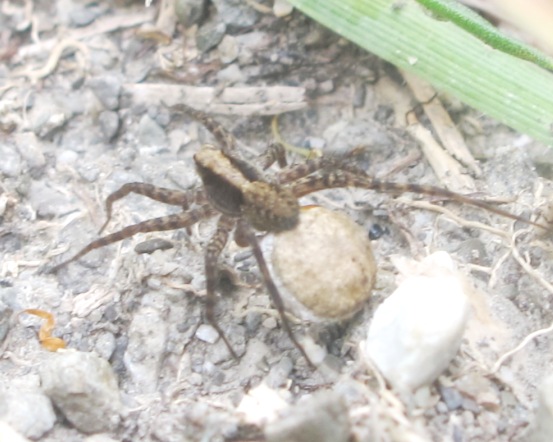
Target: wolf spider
pixel 248 201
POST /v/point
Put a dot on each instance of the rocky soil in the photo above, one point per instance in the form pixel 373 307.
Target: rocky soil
pixel 85 96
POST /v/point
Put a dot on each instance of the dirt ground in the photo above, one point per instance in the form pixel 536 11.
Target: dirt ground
pixel 84 89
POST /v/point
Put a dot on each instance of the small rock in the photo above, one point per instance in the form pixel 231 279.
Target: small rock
pixel 282 8
pixel 279 374
pixel 417 330
pixel 210 35
pixel 228 49
pixel 145 349
pixel 10 164
pixel 9 434
pixel 452 398
pixel 261 404
pixel 324 267
pixel 105 345
pixel 151 245
pixel 237 14
pixel 30 149
pixel 47 120
pixel 107 89
pixel 230 74
pixel 322 417
pixel 30 413
pixel 109 124
pixel 84 15
pixel 325 87
pixel 84 388
pixel 48 202
pixel 150 133
pixel 190 12
pixel 5 315
pixel 207 334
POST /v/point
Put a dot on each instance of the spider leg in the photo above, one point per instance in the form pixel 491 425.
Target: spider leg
pixel 170 222
pixel 161 194
pixel 249 234
pixel 274 153
pixel 298 171
pixel 345 178
pixel 213 251
pixel 223 136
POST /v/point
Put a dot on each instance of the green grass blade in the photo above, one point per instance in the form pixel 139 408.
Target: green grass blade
pixel 514 91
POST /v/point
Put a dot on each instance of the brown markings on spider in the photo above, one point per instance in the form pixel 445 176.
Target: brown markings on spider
pixel 247 200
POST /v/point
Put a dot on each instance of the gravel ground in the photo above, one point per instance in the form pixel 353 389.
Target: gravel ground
pixel 81 113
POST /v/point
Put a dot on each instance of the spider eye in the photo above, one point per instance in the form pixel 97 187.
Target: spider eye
pixel 269 208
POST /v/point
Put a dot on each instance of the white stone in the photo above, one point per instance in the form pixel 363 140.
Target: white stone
pixel 207 334
pixel 416 331
pixel 282 8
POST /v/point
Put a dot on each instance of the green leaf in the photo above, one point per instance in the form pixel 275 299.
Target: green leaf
pixel 516 92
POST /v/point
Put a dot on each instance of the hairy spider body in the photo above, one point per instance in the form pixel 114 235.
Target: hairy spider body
pixel 247 201
pixel 267 206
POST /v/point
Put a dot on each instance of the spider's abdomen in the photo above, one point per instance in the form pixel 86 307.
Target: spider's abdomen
pixel 268 207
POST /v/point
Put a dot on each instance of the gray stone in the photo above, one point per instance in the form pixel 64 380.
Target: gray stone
pixel 210 35
pixel 147 339
pixel 30 413
pixel 151 245
pixel 84 15
pixel 190 12
pixel 48 202
pixel 323 417
pixel 5 315
pixel 10 163
pixel 84 388
pixel 105 345
pixel 109 124
pixel 236 14
pixel 107 89
pixel 228 49
pixel 30 149
pixel 46 120
pixel 150 133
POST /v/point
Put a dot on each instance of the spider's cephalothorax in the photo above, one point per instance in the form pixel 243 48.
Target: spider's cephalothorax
pixel 244 198
pixel 239 192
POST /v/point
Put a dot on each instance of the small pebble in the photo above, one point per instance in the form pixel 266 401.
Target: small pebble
pixel 282 8
pixel 321 417
pixel 151 133
pixel 207 334
pixel 210 35
pixel 109 124
pixel 5 316
pixel 230 74
pixel 190 12
pixel 30 413
pixel 237 14
pixel 269 323
pixel 11 164
pixel 84 388
pixel 105 345
pixel 151 245
pixel 9 434
pixel 107 89
pixel 417 330
pixel 146 347
pixel 228 49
